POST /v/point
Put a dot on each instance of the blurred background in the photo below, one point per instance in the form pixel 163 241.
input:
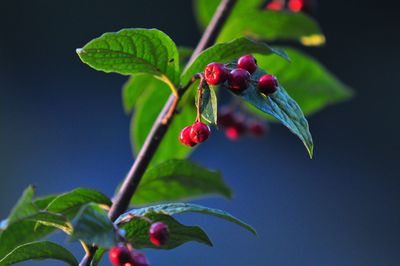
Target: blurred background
pixel 62 126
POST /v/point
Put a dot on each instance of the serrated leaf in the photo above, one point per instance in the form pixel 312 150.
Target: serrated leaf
pixel 24 207
pixel 308 82
pixel 281 107
pixel 249 18
pixel 225 52
pixel 176 208
pixel 147 109
pixel 92 225
pixel 137 232
pixel 208 104
pixel 133 51
pixel 38 251
pixel 174 180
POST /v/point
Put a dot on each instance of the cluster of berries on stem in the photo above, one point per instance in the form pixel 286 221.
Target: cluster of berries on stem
pixel 291 5
pixel 124 254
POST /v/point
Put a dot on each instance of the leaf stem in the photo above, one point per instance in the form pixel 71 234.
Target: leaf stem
pixel 160 126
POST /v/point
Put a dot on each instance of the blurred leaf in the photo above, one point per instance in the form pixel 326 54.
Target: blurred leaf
pixel 133 51
pixel 249 18
pixel 38 251
pixel 208 104
pixel 178 180
pixel 175 208
pixel 147 109
pixel 133 88
pixel 306 80
pixel 24 207
pixel 92 226
pixel 226 52
pixel 137 232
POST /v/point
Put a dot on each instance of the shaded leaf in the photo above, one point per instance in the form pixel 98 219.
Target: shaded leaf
pixel 175 208
pixel 179 180
pixel 133 51
pixel 38 251
pixel 92 225
pixel 208 104
pixel 137 232
pixel 225 52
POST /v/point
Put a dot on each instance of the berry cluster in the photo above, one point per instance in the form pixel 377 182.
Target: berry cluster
pixel 125 255
pixel 236 124
pixel 292 5
pixel 194 134
pixel 239 78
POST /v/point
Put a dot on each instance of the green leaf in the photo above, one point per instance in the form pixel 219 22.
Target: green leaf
pixel 133 51
pixel 184 55
pixel 175 208
pixel 24 207
pixel 92 225
pixel 75 199
pixel 137 232
pixel 38 251
pixel 174 180
pixel 97 256
pixel 308 82
pixel 249 18
pixel 226 52
pixel 208 104
pixel 133 88
pixel 55 220
pixel 281 107
pixel 147 109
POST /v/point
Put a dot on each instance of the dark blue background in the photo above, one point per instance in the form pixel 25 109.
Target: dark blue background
pixel 62 126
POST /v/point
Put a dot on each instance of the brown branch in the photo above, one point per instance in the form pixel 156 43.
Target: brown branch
pixel 160 126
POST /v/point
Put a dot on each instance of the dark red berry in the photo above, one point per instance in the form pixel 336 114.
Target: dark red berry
pixel 215 73
pixel 248 62
pixel 239 79
pixel 184 137
pixel 159 233
pixel 139 259
pixel 226 117
pixel 237 128
pixel 199 132
pixel 267 84
pixel 120 255
pixel 257 129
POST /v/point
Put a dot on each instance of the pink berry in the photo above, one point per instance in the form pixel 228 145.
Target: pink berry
pixel 199 132
pixel 248 62
pixel 184 137
pixel 267 84
pixel 215 73
pixel 159 233
pixel 239 79
pixel 120 255
pixel 139 259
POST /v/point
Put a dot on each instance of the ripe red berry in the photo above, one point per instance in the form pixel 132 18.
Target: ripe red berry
pixel 267 84
pixel 226 117
pixel 184 137
pixel 199 132
pixel 120 255
pixel 296 5
pixel 274 5
pixel 257 129
pixel 215 73
pixel 159 233
pixel 237 128
pixel 248 62
pixel 239 79
pixel 138 259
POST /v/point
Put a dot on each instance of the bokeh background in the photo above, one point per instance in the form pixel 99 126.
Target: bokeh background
pixel 62 126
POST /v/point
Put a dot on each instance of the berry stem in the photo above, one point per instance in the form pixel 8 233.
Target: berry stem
pixel 160 126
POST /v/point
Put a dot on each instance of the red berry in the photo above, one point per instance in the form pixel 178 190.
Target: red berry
pixel 184 137
pixel 226 117
pixel 274 6
pixel 248 62
pixel 237 128
pixel 120 255
pixel 199 132
pixel 296 5
pixel 215 73
pixel 239 79
pixel 267 84
pixel 139 259
pixel 159 233
pixel 257 129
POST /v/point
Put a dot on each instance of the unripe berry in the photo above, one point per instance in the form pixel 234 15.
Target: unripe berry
pixel 139 259
pixel 247 62
pixel 199 132
pixel 120 255
pixel 215 73
pixel 267 84
pixel 239 79
pixel 184 137
pixel 159 233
